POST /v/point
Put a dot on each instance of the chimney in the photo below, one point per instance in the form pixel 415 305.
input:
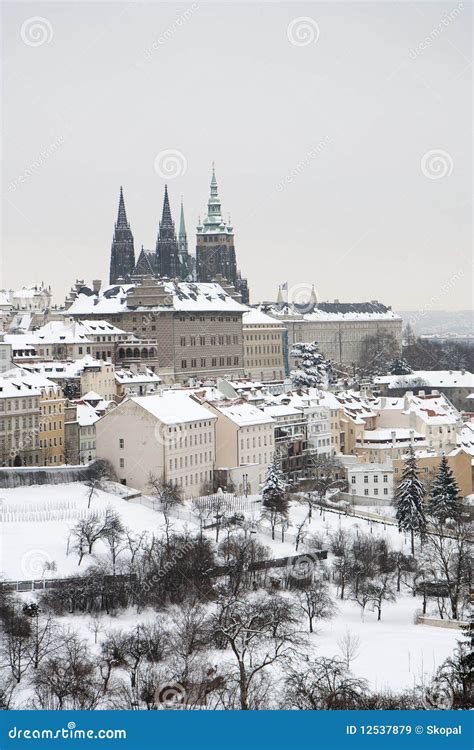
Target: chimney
pixel 412 437
pixel 393 436
pixel 96 284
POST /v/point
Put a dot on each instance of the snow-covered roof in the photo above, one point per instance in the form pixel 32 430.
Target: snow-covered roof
pixel 13 387
pixel 86 415
pixel 100 328
pixel 281 410
pixel 91 396
pixel 125 377
pixel 433 409
pixel 366 468
pixel 255 317
pixel 242 413
pixel 332 311
pixel 181 296
pixel 432 378
pixel 385 435
pixel 465 438
pixel 172 407
pixel 19 341
pixel 59 369
pixel 37 380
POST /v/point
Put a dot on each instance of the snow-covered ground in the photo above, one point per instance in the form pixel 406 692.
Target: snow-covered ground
pixel 393 653
pixel 26 546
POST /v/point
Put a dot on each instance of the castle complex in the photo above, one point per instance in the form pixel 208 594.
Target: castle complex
pixel 215 252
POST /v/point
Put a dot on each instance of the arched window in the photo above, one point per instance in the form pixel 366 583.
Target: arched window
pixel 144 353
pixel 129 353
pixel 136 353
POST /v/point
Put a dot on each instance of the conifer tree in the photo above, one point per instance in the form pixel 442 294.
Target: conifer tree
pixel 274 489
pixel 409 496
pixel 313 369
pixel 445 497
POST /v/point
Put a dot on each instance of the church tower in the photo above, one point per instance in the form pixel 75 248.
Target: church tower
pixel 167 255
pixel 122 256
pixel 215 251
pixel 184 259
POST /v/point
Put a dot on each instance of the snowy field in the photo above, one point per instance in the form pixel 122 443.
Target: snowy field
pixel 26 546
pixel 393 653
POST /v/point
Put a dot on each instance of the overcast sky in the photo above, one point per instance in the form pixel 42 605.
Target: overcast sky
pixel 341 141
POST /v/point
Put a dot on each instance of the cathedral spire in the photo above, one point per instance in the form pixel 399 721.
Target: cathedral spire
pixel 182 225
pixel 166 215
pixel 122 256
pixel 167 243
pixel 122 222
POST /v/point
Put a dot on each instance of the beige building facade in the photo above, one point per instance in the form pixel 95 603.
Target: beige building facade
pixel 263 345
pixel 245 436
pixel 195 330
pixel 168 436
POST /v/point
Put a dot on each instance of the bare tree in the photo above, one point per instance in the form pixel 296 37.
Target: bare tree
pixel 349 646
pixel 323 684
pixel 327 474
pixel 43 639
pixel 315 602
pixel 449 560
pixel 15 644
pixel 381 590
pixel 68 679
pixel 98 473
pixel 259 632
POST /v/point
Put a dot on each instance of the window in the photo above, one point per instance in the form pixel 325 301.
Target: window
pixel 184 364
pixel 376 479
pixel 385 478
pixel 122 463
pixel 366 492
pixel 376 491
pixel 353 479
pixel 193 363
pixel 385 490
pixel 366 479
pixel 183 340
pixel 121 443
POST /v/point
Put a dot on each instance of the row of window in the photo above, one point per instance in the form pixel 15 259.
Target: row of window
pixel 223 361
pixel 254 442
pixel 366 478
pixel 263 349
pixel 13 404
pixel 51 442
pixel 262 363
pixel 47 427
pixel 212 318
pixel 213 340
pixel 17 422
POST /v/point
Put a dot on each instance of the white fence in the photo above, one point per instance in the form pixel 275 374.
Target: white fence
pixel 436 622
pixel 63 510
